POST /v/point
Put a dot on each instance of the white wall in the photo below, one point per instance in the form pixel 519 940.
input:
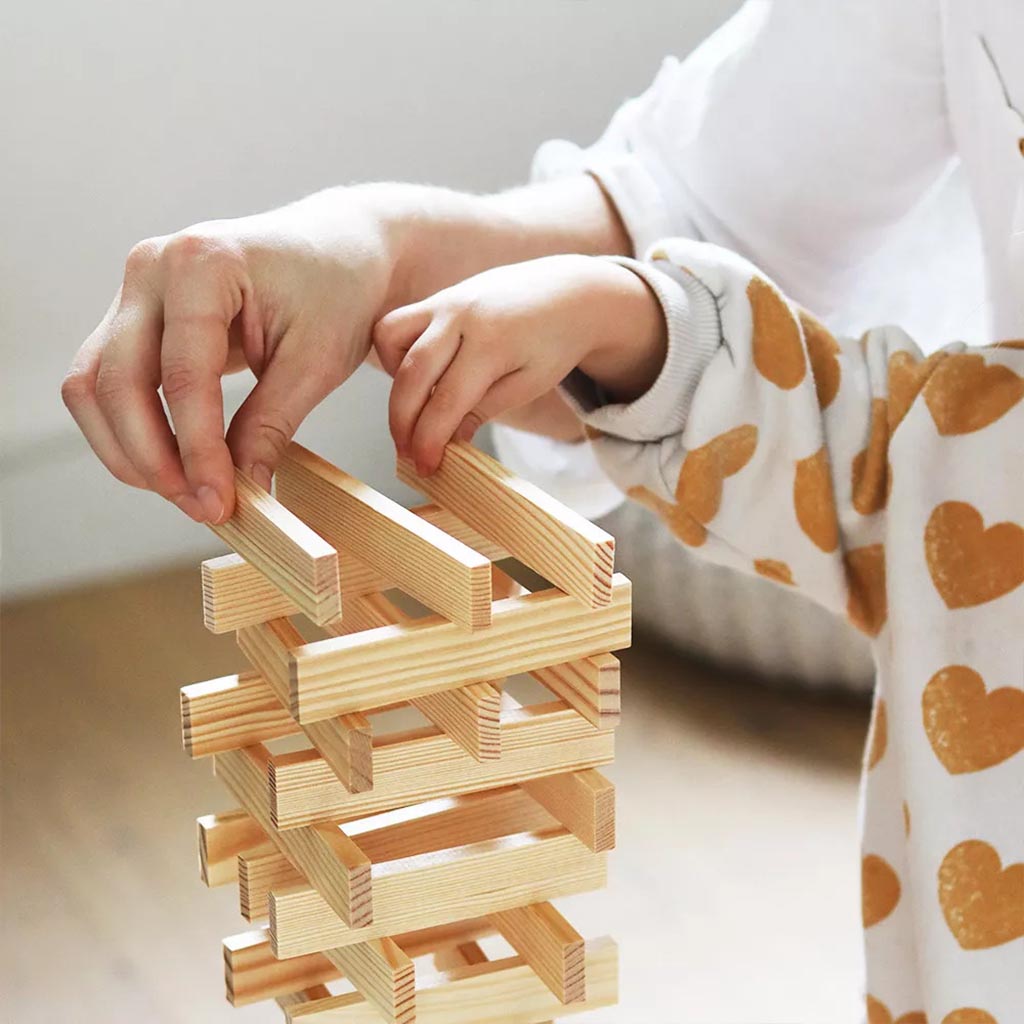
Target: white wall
pixel 122 120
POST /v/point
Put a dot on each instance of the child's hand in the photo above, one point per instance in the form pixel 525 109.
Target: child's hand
pixel 505 337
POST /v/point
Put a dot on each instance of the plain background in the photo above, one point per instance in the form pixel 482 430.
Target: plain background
pixel 124 120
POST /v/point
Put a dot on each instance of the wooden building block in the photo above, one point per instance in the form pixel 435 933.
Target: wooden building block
pixel 231 712
pixel 345 742
pixel 495 992
pixel 237 594
pixel 438 889
pixel 544 534
pixel 383 975
pixel 300 563
pixel 252 973
pixel 584 802
pixel 550 945
pixel 307 995
pixel 590 685
pixel 423 764
pixel 428 564
pixel 222 837
pixel 261 869
pixel 393 663
pixel 324 854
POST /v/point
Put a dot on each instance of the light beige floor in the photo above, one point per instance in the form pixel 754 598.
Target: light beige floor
pixel 733 890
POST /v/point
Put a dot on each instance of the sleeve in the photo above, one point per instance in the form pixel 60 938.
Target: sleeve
pixel 796 135
pixel 764 443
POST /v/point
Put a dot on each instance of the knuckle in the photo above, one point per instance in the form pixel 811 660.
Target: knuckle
pixel 77 388
pixel 186 249
pixel 179 380
pixel 273 430
pixel 111 385
pixel 141 258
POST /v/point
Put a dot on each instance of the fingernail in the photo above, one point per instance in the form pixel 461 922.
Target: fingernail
pixel 213 506
pixel 261 475
pixel 190 507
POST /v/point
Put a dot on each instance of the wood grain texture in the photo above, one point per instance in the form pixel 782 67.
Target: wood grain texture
pixel 583 802
pixel 495 992
pixel 438 888
pixel 393 663
pixel 544 534
pixel 231 712
pixel 591 685
pixel 306 995
pixel 252 973
pixel 298 562
pixel 346 741
pixel 331 862
pixel 221 838
pixel 383 974
pixel 424 764
pixel 261 869
pixel 446 575
pixel 237 594
pixel 550 945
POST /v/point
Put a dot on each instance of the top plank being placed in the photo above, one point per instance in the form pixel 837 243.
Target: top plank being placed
pixel 441 572
pixel 556 542
pixel 298 561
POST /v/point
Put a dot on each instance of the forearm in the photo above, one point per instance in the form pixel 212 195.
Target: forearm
pixel 437 237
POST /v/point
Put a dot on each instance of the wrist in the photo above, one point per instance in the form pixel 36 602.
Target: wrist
pixel 627 355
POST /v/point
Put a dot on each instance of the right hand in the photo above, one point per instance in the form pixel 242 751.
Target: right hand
pixel 292 293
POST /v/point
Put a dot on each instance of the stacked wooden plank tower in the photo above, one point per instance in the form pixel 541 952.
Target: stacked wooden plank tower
pixel 369 851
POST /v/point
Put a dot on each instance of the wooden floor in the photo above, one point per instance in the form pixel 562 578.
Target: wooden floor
pixel 733 889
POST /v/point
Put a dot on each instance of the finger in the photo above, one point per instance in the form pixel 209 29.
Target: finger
pixel 512 391
pixel 126 391
pixel 78 391
pixel 463 385
pixel 421 369
pixel 284 396
pixel 203 296
pixel 395 332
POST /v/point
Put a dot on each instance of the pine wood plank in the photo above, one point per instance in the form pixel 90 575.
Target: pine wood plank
pixel 428 564
pixel 550 945
pixel 237 594
pixel 584 802
pixel 591 685
pixel 438 888
pixel 495 992
pixel 383 974
pixel 252 973
pixel 300 563
pixel 544 534
pixel 261 869
pixel 221 838
pixel 307 995
pixel 423 764
pixel 345 742
pixel 324 854
pixel 231 712
pixel 393 663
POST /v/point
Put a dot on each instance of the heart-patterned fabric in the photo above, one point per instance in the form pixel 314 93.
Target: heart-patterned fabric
pixel 888 487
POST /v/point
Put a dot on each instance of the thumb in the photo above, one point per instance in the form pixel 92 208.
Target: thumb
pixel 286 393
pixel 509 392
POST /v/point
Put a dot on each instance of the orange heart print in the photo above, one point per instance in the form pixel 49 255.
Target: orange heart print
pixel 982 902
pixel 964 394
pixel 777 344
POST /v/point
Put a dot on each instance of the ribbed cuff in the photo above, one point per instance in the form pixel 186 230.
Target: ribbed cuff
pixel 694 336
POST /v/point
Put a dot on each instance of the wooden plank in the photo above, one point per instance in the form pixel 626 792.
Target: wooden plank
pixel 591 685
pixel 261 869
pixel 550 945
pixel 584 802
pixel 237 594
pixel 252 973
pixel 470 714
pixel 231 712
pixel 393 663
pixel 222 837
pixel 423 764
pixel 345 742
pixel 301 564
pixel 439 888
pixel 307 995
pixel 383 975
pixel 544 534
pixel 462 955
pixel 438 570
pixel 496 992
pixel 324 854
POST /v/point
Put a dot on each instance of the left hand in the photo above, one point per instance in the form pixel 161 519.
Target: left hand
pixel 507 336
